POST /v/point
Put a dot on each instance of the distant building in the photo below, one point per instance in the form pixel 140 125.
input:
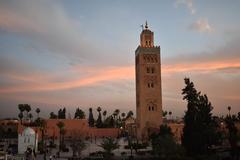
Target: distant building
pixel 8 135
pixel 130 126
pixel 73 128
pixel 27 139
pixel 148 85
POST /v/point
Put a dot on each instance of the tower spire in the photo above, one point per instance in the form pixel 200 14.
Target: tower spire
pixel 146 25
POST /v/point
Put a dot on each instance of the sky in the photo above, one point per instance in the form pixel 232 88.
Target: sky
pixel 81 53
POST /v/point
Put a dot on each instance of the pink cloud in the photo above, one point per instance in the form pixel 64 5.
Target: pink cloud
pixel 96 75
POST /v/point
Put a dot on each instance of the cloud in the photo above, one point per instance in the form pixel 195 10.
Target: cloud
pixel 187 3
pixel 201 25
pixel 95 76
pixel 49 28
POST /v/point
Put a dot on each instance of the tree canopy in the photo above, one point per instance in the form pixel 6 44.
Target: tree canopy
pixel 200 129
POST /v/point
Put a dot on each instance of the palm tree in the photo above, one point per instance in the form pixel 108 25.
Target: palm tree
pixel 20 116
pixel 130 114
pixel 104 114
pixel 123 115
pixel 116 113
pixel 170 113
pixel 42 127
pixel 229 109
pixel 99 109
pixel 164 113
pixel 21 107
pixel 99 119
pixel 28 109
pixel 109 144
pixel 60 125
pixel 30 116
pixel 90 118
pixel 38 111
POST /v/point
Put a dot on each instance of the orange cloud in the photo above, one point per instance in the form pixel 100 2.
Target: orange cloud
pixel 97 75
pixel 200 67
pixel 105 74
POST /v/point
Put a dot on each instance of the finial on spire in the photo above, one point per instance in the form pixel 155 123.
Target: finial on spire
pixel 146 25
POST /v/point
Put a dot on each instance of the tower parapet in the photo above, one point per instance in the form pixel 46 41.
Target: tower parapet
pixel 148 85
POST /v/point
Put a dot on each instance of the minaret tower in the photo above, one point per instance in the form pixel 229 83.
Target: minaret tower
pixel 148 85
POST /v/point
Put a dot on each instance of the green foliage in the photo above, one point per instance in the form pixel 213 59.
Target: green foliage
pixel 164 144
pixel 79 114
pixel 109 144
pixel 77 146
pixel 200 129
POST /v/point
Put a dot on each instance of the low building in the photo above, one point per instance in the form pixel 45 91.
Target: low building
pixel 27 139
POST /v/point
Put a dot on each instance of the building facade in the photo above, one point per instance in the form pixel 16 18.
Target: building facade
pixel 148 85
pixel 27 139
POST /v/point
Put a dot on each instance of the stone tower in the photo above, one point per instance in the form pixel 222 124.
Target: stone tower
pixel 148 85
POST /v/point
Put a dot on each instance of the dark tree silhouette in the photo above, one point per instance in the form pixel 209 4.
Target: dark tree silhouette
pixel 61 126
pixel 233 136
pixel 38 111
pixel 79 114
pixel 200 129
pixel 229 110
pixel 129 114
pixel 53 115
pixel 99 123
pixel 164 113
pixel 170 114
pixel 90 118
pixel 30 116
pixel 27 109
pixel 62 113
pixel 109 144
pixel 123 115
pixel 104 114
pixel 164 144
pixel 20 116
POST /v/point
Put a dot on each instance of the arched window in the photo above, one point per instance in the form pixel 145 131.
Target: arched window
pixel 153 70
pixel 148 70
pixel 152 85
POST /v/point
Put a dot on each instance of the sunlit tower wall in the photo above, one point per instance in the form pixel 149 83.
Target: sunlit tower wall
pixel 148 85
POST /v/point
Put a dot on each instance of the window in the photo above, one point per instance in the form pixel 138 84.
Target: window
pixel 148 70
pixel 152 85
pixel 149 108
pixel 146 43
pixel 149 85
pixel 152 108
pixel 153 70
